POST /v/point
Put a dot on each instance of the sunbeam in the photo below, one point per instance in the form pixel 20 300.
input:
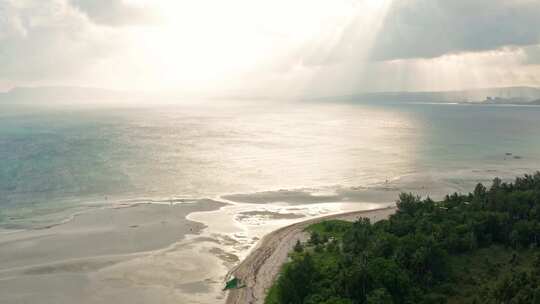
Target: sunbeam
pixel 347 52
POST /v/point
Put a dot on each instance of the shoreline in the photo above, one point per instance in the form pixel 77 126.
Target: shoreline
pixel 129 251
pixel 260 268
pixel 178 250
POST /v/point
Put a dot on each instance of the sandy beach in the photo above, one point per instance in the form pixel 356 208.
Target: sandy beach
pixel 174 251
pixel 261 267
pixel 179 250
pixel 142 253
pixel 153 252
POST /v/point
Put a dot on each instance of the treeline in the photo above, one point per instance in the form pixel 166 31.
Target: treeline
pixel 481 247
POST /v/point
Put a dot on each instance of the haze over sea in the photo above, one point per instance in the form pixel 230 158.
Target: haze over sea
pixel 55 162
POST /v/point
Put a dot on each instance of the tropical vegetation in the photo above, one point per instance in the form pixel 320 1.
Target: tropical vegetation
pixel 481 247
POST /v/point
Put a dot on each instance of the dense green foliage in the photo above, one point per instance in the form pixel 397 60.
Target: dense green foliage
pixel 476 248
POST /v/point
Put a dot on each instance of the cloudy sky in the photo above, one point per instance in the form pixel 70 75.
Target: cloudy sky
pixel 306 47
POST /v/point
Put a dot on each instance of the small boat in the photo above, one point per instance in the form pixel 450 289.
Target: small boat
pixel 234 283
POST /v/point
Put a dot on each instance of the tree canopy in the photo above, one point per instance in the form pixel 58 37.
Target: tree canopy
pixel 480 247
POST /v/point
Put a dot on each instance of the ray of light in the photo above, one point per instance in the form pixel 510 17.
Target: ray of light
pixel 349 52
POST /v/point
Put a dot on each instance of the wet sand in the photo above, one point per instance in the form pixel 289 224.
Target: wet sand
pixel 261 267
pixel 175 251
pixel 143 253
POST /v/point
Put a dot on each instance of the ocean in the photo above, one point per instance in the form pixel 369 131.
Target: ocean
pixel 58 161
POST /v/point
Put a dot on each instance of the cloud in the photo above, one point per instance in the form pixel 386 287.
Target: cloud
pixel 432 28
pixel 417 44
pixel 48 40
pixel 115 12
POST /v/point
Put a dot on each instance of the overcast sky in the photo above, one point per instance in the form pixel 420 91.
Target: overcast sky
pixel 306 47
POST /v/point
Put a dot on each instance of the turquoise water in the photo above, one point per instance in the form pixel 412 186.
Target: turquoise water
pixel 54 162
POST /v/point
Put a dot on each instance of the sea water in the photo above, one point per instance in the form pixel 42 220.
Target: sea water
pixel 58 161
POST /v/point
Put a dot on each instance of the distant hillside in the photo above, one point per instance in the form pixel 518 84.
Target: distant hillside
pixel 90 96
pixel 63 95
pixel 509 101
pixel 66 95
pixel 522 94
